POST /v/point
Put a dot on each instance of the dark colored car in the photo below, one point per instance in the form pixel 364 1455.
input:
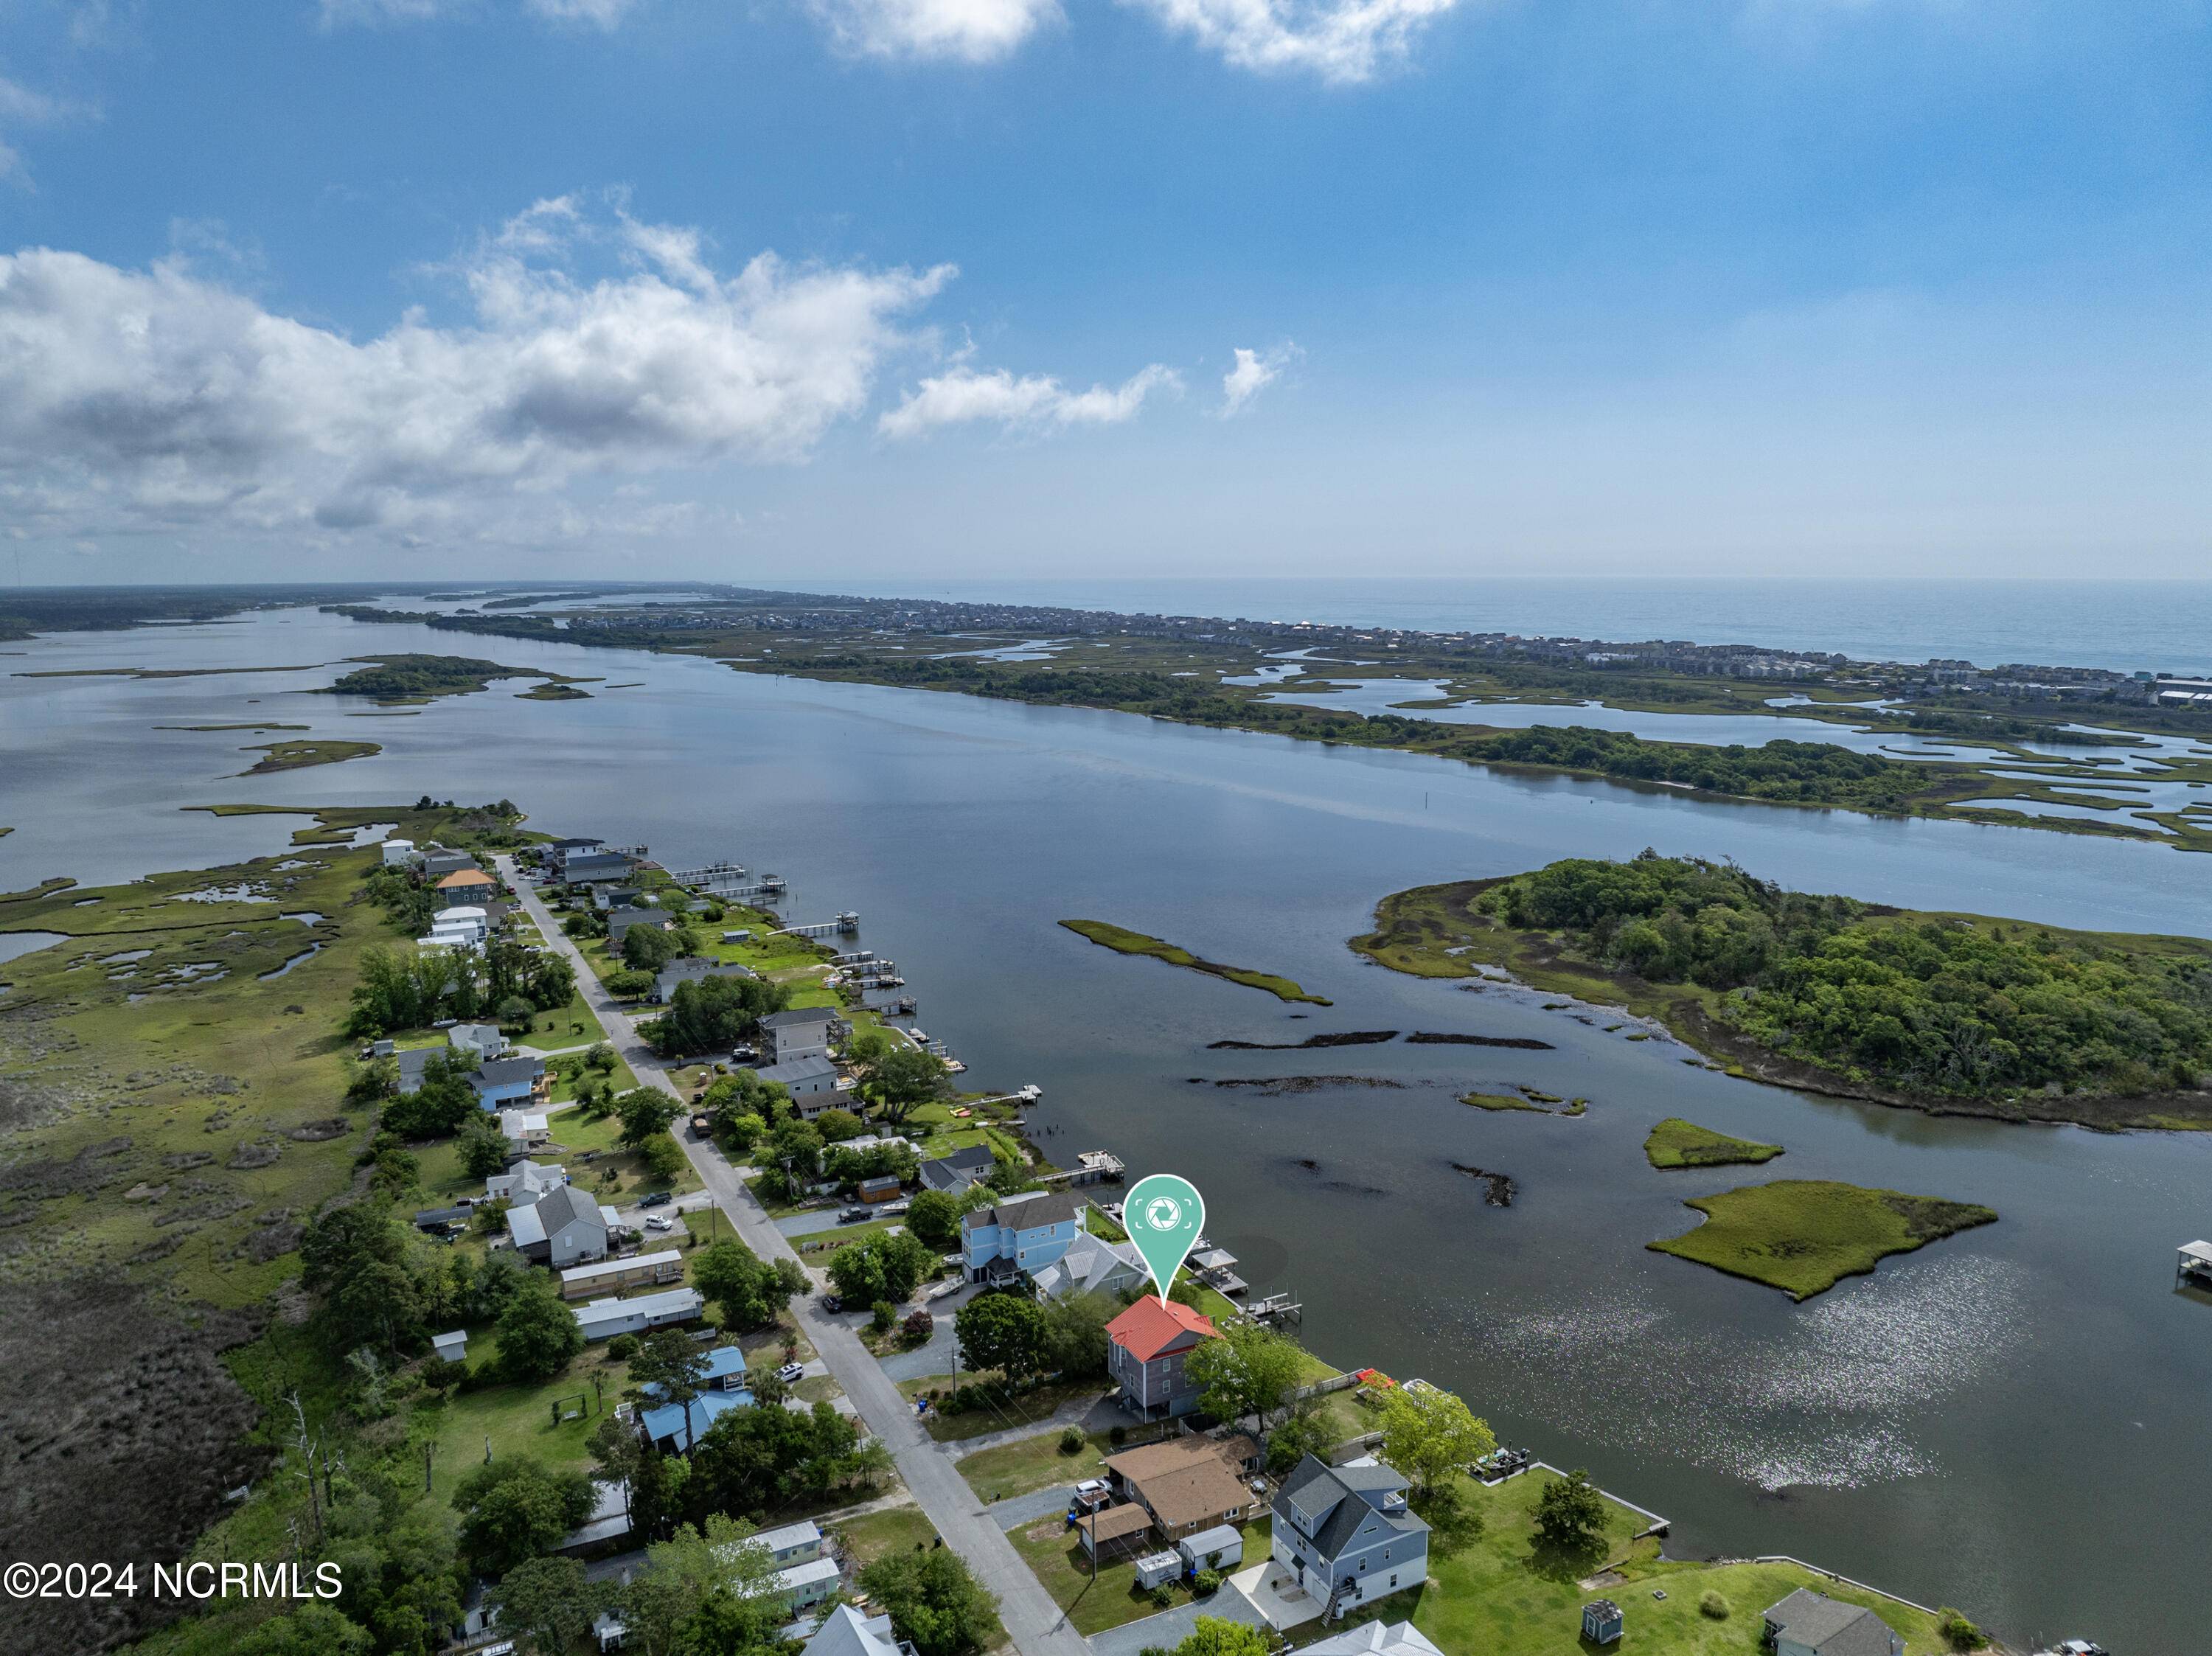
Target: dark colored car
pixel 855 1215
pixel 658 1199
pixel 832 1302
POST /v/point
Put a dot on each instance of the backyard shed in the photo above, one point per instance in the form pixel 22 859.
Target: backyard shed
pixel 1115 1531
pixel 1602 1621
pixel 1220 1548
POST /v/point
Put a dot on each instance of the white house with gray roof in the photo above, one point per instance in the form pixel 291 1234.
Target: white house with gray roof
pixel 1346 1533
pixel 525 1181
pixel 803 1032
pixel 1091 1265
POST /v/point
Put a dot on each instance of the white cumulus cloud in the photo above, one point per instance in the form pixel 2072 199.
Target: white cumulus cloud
pixel 1338 40
pixel 1252 374
pixel 967 31
pixel 966 396
pixel 131 399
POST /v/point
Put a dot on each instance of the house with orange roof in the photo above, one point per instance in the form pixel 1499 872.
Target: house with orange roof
pixel 1145 1348
pixel 467 885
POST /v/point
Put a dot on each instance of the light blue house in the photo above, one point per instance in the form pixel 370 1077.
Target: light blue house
pixel 510 1082
pixel 1345 1533
pixel 1020 1236
pixel 721 1389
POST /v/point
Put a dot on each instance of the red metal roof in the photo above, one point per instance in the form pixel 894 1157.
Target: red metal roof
pixel 1153 1325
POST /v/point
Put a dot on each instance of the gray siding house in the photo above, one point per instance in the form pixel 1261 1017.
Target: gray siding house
pixel 1346 1533
pixel 803 1032
pixel 561 1229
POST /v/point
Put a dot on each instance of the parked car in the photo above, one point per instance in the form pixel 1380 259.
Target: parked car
pixel 659 1198
pixel 855 1215
pixel 744 1054
pixel 791 1373
pixel 659 1222
pixel 832 1302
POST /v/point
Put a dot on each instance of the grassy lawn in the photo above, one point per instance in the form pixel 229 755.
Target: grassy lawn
pixel 518 1420
pixel 578 1136
pixel 1491 1592
pixel 1035 1463
pixel 572 1025
pixel 1805 1235
pixel 869 1535
pixel 1028 1409
pixel 1056 1557
pixel 1675 1143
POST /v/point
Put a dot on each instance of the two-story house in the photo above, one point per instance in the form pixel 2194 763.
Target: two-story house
pixel 1146 1347
pixel 803 1032
pixel 563 1228
pixel 1019 1236
pixel 1346 1533
pixel 512 1083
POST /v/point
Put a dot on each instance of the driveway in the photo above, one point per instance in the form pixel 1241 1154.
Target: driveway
pixel 1171 1626
pixel 1037 1626
pixel 1026 1508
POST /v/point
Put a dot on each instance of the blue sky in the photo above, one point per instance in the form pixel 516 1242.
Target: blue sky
pixel 469 287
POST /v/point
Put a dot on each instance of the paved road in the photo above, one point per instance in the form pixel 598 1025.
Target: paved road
pixel 1036 1624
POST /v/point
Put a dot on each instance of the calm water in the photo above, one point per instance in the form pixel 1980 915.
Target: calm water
pixel 2163 626
pixel 2012 1420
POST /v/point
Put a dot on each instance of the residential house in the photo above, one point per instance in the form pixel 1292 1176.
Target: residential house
pixel 1346 1533
pixel 483 1041
pixel 525 1181
pixel 1019 1236
pixel 470 886
pixel 620 921
pixel 397 853
pixel 518 1082
pixel 1376 1639
pixel 561 1229
pixel 801 1587
pixel 414 1062
pixel 793 1543
pixel 1809 1623
pixel 1189 1485
pixel 466 927
pixel 693 969
pixel 1092 1265
pixel 673 1427
pixel 438 863
pixel 612 1276
pixel 602 1319
pixel 610 1520
pixel 1146 1347
pixel 604 897
pixel 846 1632
pixel 595 868
pixel 525 1131
pixel 803 1032
pixel 812 1082
pixel 961 1171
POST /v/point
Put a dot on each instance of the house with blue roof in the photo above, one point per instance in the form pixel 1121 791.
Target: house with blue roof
pixel 721 1388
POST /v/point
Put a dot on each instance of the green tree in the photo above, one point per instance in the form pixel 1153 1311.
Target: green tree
pixel 662 1157
pixel 601 1057
pixel 665 1602
pixel 670 1367
pixel 1429 1434
pixel 1075 1335
pixel 1249 1370
pixel 750 1292
pixel 934 1217
pixel 882 1266
pixel 629 984
pixel 1002 1331
pixel 517 1509
pixel 1304 1431
pixel 313 1629
pixel 837 1125
pixel 538 1334
pixel 752 1461
pixel 442 1105
pixel 484 1147
pixel 1216 1635
pixel 643 1112
pixel 933 1601
pixel 1570 1516
pixel 550 1601
pixel 646 947
pixel 901 1079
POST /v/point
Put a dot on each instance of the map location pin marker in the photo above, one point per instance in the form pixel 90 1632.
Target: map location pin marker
pixel 1163 1215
